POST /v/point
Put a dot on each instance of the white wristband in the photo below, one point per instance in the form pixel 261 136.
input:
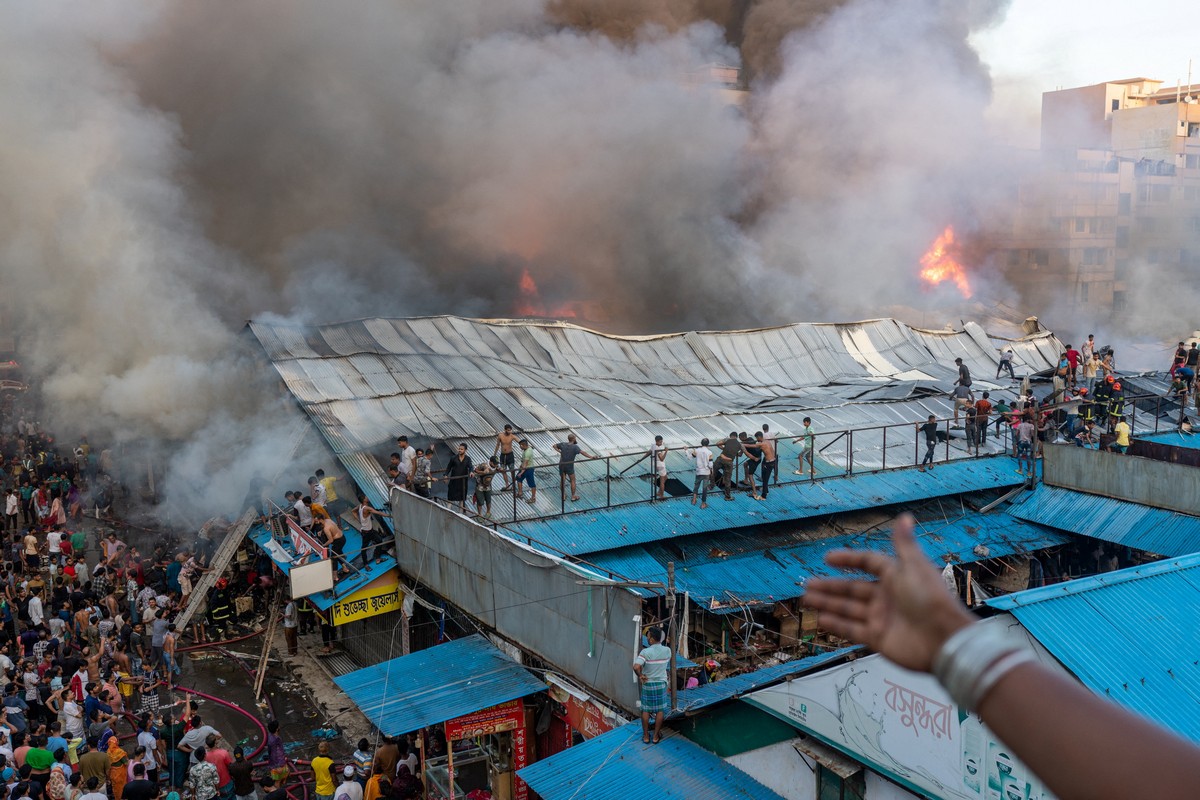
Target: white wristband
pixel 974 659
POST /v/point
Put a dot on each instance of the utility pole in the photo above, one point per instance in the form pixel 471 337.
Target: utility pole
pixel 671 626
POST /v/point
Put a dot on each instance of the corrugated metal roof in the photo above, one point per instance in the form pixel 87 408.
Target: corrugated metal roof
pixel 607 529
pixel 617 766
pixel 467 375
pixel 1174 438
pixel 703 696
pixel 1128 635
pixel 431 686
pixel 1118 521
pixel 726 571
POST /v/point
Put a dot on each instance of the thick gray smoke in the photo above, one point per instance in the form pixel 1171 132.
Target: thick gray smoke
pixel 168 171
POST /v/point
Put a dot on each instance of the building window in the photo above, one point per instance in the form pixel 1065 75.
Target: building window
pixel 1083 292
pixel 1123 236
pixel 1124 203
pixel 1191 161
pixel 1121 269
pixel 1116 104
pixel 1080 225
pixel 1094 256
pixel 1014 258
pixel 830 786
pixel 1146 224
pixel 1118 301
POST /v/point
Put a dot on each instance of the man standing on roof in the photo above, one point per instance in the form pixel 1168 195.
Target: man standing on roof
pixel 703 458
pixel 1088 349
pixel 1180 358
pixel 567 452
pixel 525 475
pixel 930 429
pixel 770 461
pixel 1025 433
pixel 408 461
pixel 983 410
pixel 1006 357
pixel 964 374
pixel 807 441
pixel 753 453
pixel 731 448
pixel 962 397
pixel 658 462
pixel 1073 363
pixel 1116 406
pixel 456 474
pixel 651 667
pixel 508 459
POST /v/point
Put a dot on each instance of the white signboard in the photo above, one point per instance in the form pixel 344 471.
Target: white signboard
pixel 904 725
pixel 311 578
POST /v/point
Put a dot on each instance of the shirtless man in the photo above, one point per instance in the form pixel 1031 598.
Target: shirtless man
pixel 770 462
pixel 508 461
pixel 335 540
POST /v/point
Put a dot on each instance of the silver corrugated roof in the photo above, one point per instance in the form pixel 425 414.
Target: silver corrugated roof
pixel 365 381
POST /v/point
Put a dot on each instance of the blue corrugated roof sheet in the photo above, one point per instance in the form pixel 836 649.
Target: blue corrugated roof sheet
pixel 1175 438
pixel 1118 521
pixel 606 529
pixel 617 766
pixel 732 569
pixel 1128 635
pixel 719 691
pixel 431 686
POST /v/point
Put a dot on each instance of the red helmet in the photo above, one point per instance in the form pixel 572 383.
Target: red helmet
pixel 222 583
pixel 1082 390
pixel 1110 379
pixel 1116 386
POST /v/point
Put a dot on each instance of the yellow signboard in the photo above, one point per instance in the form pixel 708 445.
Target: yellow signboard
pixel 377 597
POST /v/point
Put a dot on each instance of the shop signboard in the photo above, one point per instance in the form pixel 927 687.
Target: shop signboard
pixel 508 716
pixel 303 542
pixel 377 597
pixel 903 725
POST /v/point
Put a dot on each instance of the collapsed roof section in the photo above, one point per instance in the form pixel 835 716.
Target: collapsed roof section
pixel 365 381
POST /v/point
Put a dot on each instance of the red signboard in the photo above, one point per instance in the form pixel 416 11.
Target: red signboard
pixel 304 542
pixel 586 717
pixel 504 717
pixel 520 761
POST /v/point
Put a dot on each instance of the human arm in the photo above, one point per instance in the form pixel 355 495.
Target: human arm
pixel 1078 744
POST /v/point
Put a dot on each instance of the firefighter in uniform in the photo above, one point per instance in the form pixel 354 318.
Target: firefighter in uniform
pixel 1116 406
pixel 220 608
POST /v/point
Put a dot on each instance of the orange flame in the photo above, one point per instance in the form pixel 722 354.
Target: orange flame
pixel 940 264
pixel 530 303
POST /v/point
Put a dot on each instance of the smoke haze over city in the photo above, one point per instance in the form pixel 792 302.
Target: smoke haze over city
pixel 169 171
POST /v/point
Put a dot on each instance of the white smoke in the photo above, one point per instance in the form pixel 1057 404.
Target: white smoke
pixel 169 171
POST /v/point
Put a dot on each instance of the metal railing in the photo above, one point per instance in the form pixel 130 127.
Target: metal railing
pixel 629 478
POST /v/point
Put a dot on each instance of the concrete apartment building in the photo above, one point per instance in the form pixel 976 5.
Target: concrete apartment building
pixel 1115 190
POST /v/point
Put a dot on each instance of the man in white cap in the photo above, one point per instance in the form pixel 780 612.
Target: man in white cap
pixel 349 788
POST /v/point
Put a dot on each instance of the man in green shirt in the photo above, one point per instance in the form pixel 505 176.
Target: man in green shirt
pixel 525 474
pixel 78 542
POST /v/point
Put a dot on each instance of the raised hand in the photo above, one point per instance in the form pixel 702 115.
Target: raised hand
pixel 905 613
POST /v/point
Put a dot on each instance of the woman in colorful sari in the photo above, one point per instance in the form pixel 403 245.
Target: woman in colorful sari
pixel 119 759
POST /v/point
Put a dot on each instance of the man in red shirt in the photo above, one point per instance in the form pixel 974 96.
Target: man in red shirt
pixel 983 409
pixel 1073 362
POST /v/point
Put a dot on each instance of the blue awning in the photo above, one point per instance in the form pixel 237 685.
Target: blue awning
pixel 431 686
pixel 617 766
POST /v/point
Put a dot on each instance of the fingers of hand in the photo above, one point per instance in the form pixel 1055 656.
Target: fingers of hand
pixel 846 627
pixel 864 560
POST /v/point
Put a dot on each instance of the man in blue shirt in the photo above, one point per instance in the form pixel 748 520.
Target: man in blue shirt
pixel 650 666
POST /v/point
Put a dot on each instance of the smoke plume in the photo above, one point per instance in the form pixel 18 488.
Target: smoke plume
pixel 168 171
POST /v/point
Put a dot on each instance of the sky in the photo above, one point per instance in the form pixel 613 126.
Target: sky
pixel 1041 46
